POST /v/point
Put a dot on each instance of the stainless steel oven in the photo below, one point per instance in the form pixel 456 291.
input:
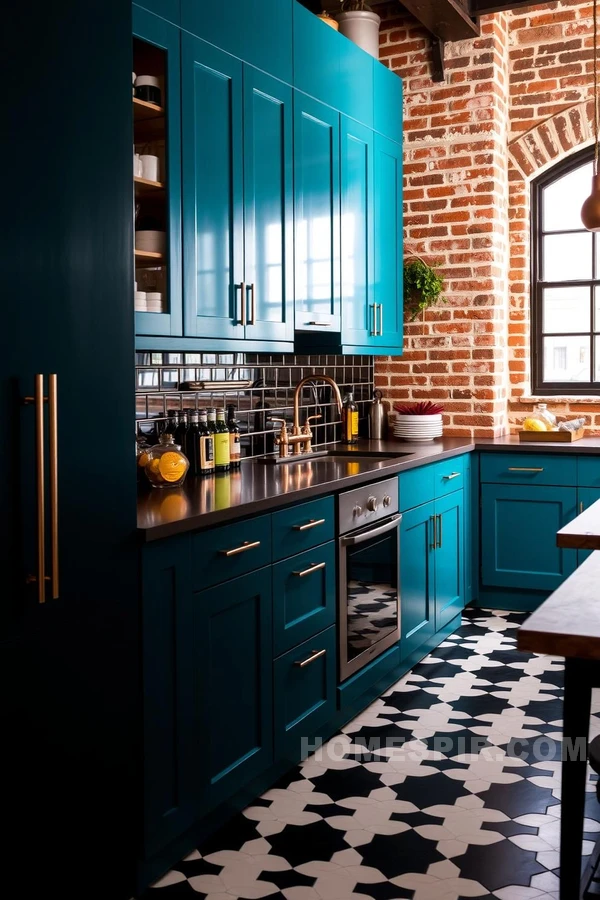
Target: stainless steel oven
pixel 369 573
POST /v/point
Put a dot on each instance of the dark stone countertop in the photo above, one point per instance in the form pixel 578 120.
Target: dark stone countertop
pixel 258 488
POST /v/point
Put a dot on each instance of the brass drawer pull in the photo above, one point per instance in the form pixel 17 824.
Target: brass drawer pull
pixel 451 476
pixel 314 567
pixel 247 545
pixel 581 507
pixel 439 518
pixel 524 469
pixel 433 519
pixel 312 523
pixel 321 324
pixel 244 301
pixel 315 654
pixel 53 442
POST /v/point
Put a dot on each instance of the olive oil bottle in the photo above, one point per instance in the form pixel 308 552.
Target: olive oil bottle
pixel 349 420
pixel 207 446
pixel 222 458
pixel 234 438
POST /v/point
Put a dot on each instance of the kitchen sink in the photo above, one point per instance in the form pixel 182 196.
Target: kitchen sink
pixel 336 456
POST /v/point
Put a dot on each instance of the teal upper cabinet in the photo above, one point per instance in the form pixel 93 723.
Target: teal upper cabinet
pixel 356 81
pixel 388 293
pixel 256 31
pixel 387 103
pixel 359 319
pixel 213 211
pixel 153 34
pixel 268 207
pixel 168 9
pixel 317 214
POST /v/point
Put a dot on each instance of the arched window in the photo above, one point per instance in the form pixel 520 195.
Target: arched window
pixel 565 282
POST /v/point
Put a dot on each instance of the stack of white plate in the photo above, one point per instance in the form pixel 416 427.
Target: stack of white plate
pixel 417 428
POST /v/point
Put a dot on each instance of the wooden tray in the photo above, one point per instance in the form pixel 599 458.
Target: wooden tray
pixel 557 437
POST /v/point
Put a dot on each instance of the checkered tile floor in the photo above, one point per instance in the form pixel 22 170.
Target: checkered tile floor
pixel 447 787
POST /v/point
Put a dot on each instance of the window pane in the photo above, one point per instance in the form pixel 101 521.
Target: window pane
pixel 567 257
pixel 566 309
pixel 566 359
pixel 563 199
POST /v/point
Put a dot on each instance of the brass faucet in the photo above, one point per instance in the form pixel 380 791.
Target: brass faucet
pixel 301 437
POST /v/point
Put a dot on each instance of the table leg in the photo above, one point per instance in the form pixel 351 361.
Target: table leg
pixel 576 717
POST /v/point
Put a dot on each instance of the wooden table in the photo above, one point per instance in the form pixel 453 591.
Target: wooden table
pixel 568 624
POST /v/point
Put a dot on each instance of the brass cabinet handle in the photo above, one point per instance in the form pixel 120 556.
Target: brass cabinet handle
pixel 243 301
pixel 315 654
pixel 321 324
pixel 53 445
pixel 380 332
pixel 312 523
pixel 247 545
pixel 433 520
pixel 374 331
pixel 440 533
pixel 452 475
pixel 314 567
pixel 252 320
pixel 38 400
pixel 524 469
pixel 580 506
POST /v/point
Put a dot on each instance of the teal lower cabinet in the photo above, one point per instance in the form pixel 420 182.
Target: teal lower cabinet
pixel 305 681
pixel 585 497
pixel 449 558
pixel 518 536
pixel 304 591
pixel 417 587
pixel 171 773
pixel 234 683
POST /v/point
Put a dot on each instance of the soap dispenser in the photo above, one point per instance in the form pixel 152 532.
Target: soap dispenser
pixel 377 418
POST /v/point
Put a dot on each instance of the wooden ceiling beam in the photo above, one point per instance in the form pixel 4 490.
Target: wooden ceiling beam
pixel 483 7
pixel 448 20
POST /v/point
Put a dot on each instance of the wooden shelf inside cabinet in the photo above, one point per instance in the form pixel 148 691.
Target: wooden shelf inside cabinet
pixel 149 258
pixel 145 186
pixel 142 110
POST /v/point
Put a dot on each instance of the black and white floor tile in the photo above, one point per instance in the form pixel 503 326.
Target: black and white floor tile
pixel 445 788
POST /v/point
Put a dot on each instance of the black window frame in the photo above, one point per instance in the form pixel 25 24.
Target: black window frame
pixel 538 386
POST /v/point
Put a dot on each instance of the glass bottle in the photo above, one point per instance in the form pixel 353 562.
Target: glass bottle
pixel 207 446
pixel 349 420
pixel 181 430
pixel 167 466
pixel 192 442
pixel 222 460
pixel 172 422
pixel 234 438
pixel 541 412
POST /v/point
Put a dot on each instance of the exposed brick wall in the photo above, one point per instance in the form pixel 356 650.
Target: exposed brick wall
pixel 514 101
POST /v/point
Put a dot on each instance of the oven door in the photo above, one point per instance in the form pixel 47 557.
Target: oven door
pixel 369 602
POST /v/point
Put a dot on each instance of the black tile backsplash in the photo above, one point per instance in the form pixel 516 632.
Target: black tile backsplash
pixel 259 386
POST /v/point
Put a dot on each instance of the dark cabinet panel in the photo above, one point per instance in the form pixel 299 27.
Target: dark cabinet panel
pixel 449 558
pixel 417 577
pixel 304 596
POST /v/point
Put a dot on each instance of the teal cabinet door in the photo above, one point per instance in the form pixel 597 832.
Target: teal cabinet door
pixel 234 681
pixel 171 774
pixel 256 31
pixel 387 111
pixel 313 42
pixel 305 590
pixel 213 214
pixel 317 214
pixel 417 578
pixel 268 208
pixel 518 535
pixel 388 291
pixel 356 82
pixel 168 9
pixel 305 694
pixel 585 498
pixel 449 558
pixel 358 311
pixel 159 33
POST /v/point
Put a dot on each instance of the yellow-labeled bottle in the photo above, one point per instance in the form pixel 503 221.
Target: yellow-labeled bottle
pixel 221 436
pixel 349 420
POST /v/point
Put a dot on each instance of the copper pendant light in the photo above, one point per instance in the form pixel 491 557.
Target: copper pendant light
pixel 590 211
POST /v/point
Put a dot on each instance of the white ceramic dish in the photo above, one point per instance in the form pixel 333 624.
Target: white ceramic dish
pixel 153 241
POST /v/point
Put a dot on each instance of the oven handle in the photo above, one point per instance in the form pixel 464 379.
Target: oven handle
pixel 353 539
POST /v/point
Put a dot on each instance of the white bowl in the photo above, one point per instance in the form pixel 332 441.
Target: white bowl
pixel 404 417
pixel 153 241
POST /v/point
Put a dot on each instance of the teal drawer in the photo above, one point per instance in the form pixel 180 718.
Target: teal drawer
pixel 589 471
pixel 417 486
pixel 449 476
pixel 229 551
pixel 304 596
pixel 303 526
pixel 304 694
pixel 528 468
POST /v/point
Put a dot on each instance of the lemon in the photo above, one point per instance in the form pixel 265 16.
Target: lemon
pixel 143 460
pixel 531 424
pixel 152 470
pixel 172 466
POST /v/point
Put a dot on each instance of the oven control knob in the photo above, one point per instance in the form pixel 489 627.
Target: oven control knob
pixel 372 504
pixel 387 501
pixel 357 510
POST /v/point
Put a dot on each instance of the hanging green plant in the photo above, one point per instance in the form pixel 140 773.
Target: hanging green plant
pixel 422 287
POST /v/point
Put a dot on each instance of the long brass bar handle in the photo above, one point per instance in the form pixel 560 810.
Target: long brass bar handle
pixel 315 654
pixel 243 301
pixel 38 400
pixel 53 447
pixel 314 567
pixel 524 469
pixel 440 532
pixel 451 476
pixel 252 304
pixel 374 331
pixel 580 506
pixel 311 524
pixel 247 545
pixel 381 320
pixel 433 520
